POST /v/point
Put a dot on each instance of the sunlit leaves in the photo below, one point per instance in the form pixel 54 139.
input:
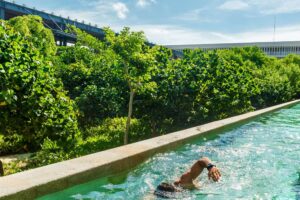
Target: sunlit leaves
pixel 33 103
pixel 31 28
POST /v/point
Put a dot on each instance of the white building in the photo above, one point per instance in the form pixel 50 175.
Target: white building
pixel 277 49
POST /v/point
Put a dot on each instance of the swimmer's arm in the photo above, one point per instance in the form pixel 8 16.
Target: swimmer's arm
pixel 193 172
pixel 213 173
pixel 198 167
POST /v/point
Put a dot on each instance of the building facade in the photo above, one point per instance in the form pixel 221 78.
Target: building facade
pixel 276 49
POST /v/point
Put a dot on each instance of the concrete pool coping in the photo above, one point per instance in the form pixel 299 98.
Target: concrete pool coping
pixel 52 178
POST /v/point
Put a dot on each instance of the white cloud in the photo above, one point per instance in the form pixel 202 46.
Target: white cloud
pixel 267 7
pixel 172 35
pixel 121 10
pixel 284 33
pixel 193 15
pixel 276 6
pixel 234 5
pixel 144 3
pixel 196 15
pixel 102 13
pixel 167 34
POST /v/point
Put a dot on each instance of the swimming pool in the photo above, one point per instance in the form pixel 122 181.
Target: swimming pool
pixel 258 160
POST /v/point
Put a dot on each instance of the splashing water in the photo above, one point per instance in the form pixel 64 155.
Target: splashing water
pixel 258 160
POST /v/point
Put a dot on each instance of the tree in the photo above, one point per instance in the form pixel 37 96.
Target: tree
pixel 135 59
pixel 32 28
pixel 156 107
pixel 32 100
pixel 290 66
pixel 89 73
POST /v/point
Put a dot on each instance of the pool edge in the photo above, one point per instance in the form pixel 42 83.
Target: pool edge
pixel 41 181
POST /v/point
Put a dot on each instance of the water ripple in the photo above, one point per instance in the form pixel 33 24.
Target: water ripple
pixel 258 160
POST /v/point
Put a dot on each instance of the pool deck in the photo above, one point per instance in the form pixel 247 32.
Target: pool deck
pixel 52 178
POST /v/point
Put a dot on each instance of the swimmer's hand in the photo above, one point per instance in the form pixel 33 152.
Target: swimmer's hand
pixel 214 174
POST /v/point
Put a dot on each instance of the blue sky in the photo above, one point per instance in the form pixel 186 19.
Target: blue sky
pixel 188 21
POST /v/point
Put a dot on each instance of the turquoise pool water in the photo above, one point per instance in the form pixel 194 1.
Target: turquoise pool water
pixel 258 160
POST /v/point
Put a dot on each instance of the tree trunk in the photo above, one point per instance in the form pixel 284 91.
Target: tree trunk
pixel 153 129
pixel 129 116
pixel 1 169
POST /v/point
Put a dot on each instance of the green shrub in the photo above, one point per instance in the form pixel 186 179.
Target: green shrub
pixel 15 167
pixel 275 88
pixel 226 85
pixel 12 144
pixel 32 101
pixel 31 27
pixel 89 73
pixel 51 152
pixel 114 128
pixel 290 66
pixel 278 81
pixel 107 135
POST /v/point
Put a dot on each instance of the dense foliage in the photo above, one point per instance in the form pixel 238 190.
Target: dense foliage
pixel 135 61
pixel 45 90
pixel 90 74
pixel 32 29
pixel 33 103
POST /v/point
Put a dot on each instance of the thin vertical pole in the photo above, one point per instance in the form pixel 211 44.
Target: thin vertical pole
pixel 274 34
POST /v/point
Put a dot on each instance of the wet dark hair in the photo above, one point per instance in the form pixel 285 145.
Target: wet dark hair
pixel 165 190
pixel 166 187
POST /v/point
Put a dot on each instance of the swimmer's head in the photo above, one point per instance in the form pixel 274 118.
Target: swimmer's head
pixel 165 190
pixel 166 187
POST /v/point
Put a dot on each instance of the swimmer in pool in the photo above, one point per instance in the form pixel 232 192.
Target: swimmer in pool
pixel 186 180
